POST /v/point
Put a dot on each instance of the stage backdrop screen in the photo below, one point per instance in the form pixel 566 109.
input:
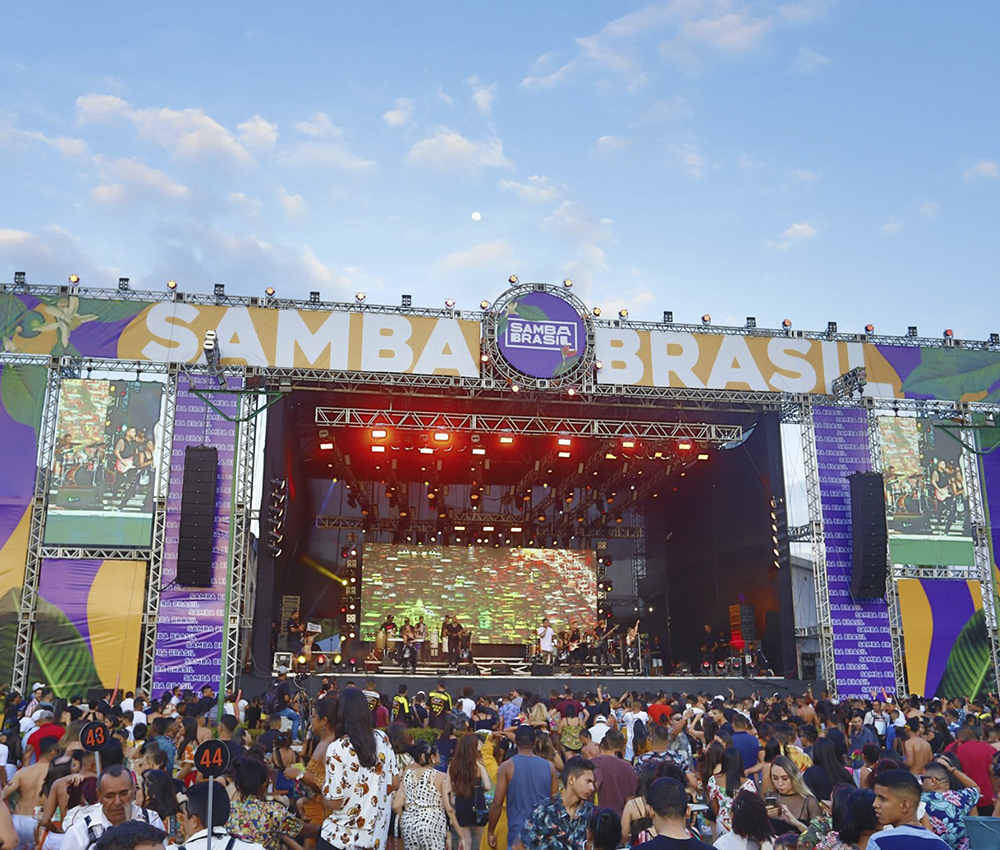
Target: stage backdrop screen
pixel 103 464
pixel 501 594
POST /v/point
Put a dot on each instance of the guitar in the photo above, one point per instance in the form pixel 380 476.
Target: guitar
pixel 608 633
pixel 124 465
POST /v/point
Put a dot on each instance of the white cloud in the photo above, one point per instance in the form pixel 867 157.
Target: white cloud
pixel 448 150
pixel 68 146
pixel 188 134
pixel 482 95
pixel 484 254
pixel 689 157
pixel 443 96
pixel 667 109
pixel 574 220
pixel 401 113
pixel 295 206
pixel 730 32
pixel 892 225
pixel 808 60
pixel 929 209
pixel 49 254
pixel 535 190
pixel 319 126
pixel 984 168
pixel 804 11
pixel 804 175
pixel 258 134
pixel 326 155
pixel 134 181
pixel 612 144
pixel 245 204
pixel 798 232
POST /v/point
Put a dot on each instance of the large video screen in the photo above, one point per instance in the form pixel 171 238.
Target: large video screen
pixel 103 464
pixel 500 594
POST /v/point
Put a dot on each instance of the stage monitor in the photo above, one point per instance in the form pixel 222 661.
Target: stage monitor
pixel 500 594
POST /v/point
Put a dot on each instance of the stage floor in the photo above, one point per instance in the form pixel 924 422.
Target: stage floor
pixel 497 685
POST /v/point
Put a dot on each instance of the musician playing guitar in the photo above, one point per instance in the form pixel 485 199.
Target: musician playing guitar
pixel 601 634
pixel 125 449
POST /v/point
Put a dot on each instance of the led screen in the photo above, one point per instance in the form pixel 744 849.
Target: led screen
pixel 500 594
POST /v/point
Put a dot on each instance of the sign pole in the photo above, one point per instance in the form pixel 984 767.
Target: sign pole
pixel 211 796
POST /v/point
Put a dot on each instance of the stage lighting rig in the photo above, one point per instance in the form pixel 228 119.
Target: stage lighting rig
pixel 850 382
pixel 123 284
pixel 213 357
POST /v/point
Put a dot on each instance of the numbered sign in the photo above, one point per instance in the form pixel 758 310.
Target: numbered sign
pixel 211 758
pixel 94 736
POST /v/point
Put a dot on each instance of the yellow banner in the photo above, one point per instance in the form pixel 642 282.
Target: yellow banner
pixel 724 362
pixel 357 341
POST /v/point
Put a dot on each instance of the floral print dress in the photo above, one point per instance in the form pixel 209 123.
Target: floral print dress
pixel 363 819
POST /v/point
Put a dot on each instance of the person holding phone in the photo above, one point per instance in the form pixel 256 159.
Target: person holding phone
pixel 791 805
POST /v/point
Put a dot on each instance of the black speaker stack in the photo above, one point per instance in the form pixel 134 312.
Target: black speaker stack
pixel 197 526
pixel 869 568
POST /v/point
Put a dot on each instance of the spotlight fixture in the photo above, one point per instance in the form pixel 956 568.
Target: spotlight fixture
pixel 831 327
pixel 314 297
pixel 359 297
pixel 706 319
pixel 219 290
pixel 74 279
pixel 449 303
pixel 565 441
pixel 123 284
pixel 994 339
pixel 571 391
pixel 598 364
pixel 668 317
pixel 869 328
pixel 596 311
pixel 514 388
pixel 378 449
pixel 512 279
pixel 623 313
pixel 567 283
pixel 171 285
pixel 751 321
pixel 948 333
pixel 269 292
pixel 911 331
pixel 407 301
pixel 484 305
pixel 484 357
pixel 441 436
pixel 786 323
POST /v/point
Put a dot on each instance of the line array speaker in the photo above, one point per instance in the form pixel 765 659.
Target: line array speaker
pixel 197 525
pixel 870 538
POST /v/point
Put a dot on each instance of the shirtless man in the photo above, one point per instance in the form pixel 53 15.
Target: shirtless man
pixel 27 784
pixel 916 750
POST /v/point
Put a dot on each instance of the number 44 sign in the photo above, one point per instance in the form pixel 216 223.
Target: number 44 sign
pixel 211 758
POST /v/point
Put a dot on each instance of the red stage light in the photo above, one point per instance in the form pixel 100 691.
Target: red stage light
pixel 326 446
pixel 684 446
pixel 441 436
pixel 379 433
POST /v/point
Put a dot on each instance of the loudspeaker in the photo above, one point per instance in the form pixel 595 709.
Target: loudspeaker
pixel 577 670
pixel 541 669
pixel 197 525
pixel 467 670
pixel 870 537
pixel 501 669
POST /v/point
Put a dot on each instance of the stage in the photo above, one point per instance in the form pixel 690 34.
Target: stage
pixel 543 685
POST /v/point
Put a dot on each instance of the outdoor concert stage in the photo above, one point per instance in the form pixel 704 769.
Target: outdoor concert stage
pixel 543 685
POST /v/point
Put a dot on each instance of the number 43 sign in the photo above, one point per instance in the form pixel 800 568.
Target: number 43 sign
pixel 94 736
pixel 211 758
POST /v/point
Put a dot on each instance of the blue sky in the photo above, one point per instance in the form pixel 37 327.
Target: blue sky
pixel 810 159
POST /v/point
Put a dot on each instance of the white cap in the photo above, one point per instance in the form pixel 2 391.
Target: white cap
pixel 600 719
pixel 37 685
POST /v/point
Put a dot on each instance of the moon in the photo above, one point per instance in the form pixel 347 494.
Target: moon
pixel 476 216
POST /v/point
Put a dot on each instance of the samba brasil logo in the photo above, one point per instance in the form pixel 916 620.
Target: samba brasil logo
pixel 541 335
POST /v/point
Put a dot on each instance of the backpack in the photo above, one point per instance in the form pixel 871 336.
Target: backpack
pixel 272 702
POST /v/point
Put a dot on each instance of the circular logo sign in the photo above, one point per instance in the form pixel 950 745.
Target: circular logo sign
pixel 211 758
pixel 541 335
pixel 94 736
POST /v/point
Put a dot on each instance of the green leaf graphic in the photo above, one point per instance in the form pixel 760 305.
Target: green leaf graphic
pixel 14 315
pixel 110 311
pixel 22 388
pixel 501 327
pixel 60 656
pixel 531 312
pixel 947 374
pixel 968 668
pixel 567 365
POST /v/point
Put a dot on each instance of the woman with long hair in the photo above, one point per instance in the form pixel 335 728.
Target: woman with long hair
pixel 870 754
pixel 725 782
pixel 254 818
pixel 360 766
pixel 445 744
pixel 854 821
pixel 423 802
pixel 187 743
pixel 400 741
pixel 546 748
pixel 637 817
pixel 469 783
pixel 156 793
pixel 569 727
pixel 827 770
pixel 752 828
pixel 310 779
pixel 792 805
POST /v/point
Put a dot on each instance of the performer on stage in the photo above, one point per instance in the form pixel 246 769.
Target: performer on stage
pixel 709 645
pixel 409 651
pixel 546 634
pixel 295 630
pixel 632 648
pixel 420 639
pixel 602 634
pixel 452 631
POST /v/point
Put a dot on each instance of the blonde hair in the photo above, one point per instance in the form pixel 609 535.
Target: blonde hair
pixel 789 766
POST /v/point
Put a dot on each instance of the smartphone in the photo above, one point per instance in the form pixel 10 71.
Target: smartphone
pixel 771 799
pixel 698 807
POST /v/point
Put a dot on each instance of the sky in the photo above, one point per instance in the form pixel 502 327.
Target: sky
pixel 812 159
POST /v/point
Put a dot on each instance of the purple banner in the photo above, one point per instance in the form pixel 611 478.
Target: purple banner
pixel 862 648
pixel 541 335
pixel 989 471
pixel 189 632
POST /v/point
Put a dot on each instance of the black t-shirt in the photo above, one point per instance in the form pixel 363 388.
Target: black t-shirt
pixel 253 716
pixel 662 842
pixel 421 713
pixel 284 693
pixel 266 741
pixel 490 721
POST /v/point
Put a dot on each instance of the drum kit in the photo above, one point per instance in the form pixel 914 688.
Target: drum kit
pixel 79 464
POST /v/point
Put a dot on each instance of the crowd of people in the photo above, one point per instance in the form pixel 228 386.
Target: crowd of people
pixel 443 771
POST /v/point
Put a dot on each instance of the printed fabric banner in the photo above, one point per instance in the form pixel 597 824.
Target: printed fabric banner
pixel 862 648
pixel 988 444
pixel 189 636
pixel 22 393
pixel 87 625
pixel 945 637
